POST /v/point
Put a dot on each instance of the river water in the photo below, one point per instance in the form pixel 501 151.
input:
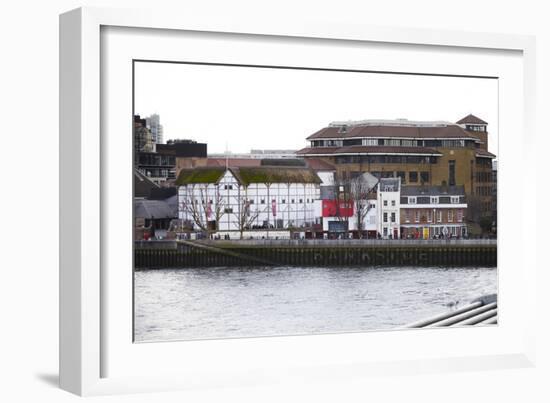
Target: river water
pixel 221 302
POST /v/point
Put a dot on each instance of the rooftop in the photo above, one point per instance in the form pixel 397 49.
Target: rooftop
pixel 409 130
pixel 472 119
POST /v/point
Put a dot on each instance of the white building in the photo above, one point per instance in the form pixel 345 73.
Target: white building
pixel 248 198
pixel 388 203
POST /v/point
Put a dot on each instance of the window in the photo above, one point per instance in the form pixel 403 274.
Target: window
pixel 262 201
pixel 226 187
pixel 283 201
pixel 385 203
pixel 429 215
pixel 385 217
pixel 251 201
pixel 434 200
pixel 393 203
pixel 424 177
pixel 300 201
pixel 407 217
pixel 228 210
pixel 452 178
pixel 450 216
pixel 370 142
pixel 412 200
pixel 385 231
pixel 417 216
pixel 455 199
pixel 292 201
pixel 459 215
pixel 413 177
pixel 392 217
pixel 439 216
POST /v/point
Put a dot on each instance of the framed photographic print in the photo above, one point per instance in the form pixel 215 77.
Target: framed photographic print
pixel 246 201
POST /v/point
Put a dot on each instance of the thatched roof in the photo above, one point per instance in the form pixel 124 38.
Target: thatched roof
pixel 200 175
pixel 247 175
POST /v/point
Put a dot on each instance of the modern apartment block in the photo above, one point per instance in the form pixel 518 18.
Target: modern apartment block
pixel 431 153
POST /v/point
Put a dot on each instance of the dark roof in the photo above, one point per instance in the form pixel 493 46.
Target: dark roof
pixel 143 186
pixel 287 162
pixel 318 164
pixel 317 150
pixel 153 209
pixel 233 162
pixel 439 131
pixel 471 119
pixel 432 190
pixel 162 193
pixel 484 154
pixel 368 150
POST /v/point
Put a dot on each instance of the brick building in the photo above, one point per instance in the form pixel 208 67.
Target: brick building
pixel 433 211
pixel 431 153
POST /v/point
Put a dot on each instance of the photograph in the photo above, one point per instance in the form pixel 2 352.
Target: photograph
pixel 280 201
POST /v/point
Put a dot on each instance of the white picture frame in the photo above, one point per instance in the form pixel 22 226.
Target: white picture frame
pixel 88 337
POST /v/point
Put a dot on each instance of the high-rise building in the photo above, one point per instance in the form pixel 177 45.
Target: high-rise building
pixel 153 124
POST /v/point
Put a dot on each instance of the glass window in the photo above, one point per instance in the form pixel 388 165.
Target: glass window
pixel 413 177
pixel 385 217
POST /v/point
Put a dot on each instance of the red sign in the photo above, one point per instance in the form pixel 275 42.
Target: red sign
pixel 274 207
pixel 337 208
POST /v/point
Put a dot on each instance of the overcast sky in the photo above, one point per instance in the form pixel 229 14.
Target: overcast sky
pixel 247 108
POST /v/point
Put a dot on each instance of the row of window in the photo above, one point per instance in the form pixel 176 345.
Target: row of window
pixel 427 216
pixel 484 190
pixel 484 176
pixel 394 143
pixel 392 217
pixel 262 201
pixel 431 200
pixel 385 159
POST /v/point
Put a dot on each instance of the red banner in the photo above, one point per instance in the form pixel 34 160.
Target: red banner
pixel 274 207
pixel 337 208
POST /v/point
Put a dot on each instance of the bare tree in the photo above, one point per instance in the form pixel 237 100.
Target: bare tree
pixel 201 210
pixel 246 217
pixel 342 195
pixel 359 190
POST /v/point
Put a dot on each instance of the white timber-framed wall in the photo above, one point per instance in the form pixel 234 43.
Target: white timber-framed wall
pixel 278 206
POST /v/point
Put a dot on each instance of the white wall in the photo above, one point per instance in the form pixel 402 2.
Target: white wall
pixel 29 286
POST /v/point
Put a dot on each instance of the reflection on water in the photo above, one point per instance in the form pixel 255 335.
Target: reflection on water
pixel 205 303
